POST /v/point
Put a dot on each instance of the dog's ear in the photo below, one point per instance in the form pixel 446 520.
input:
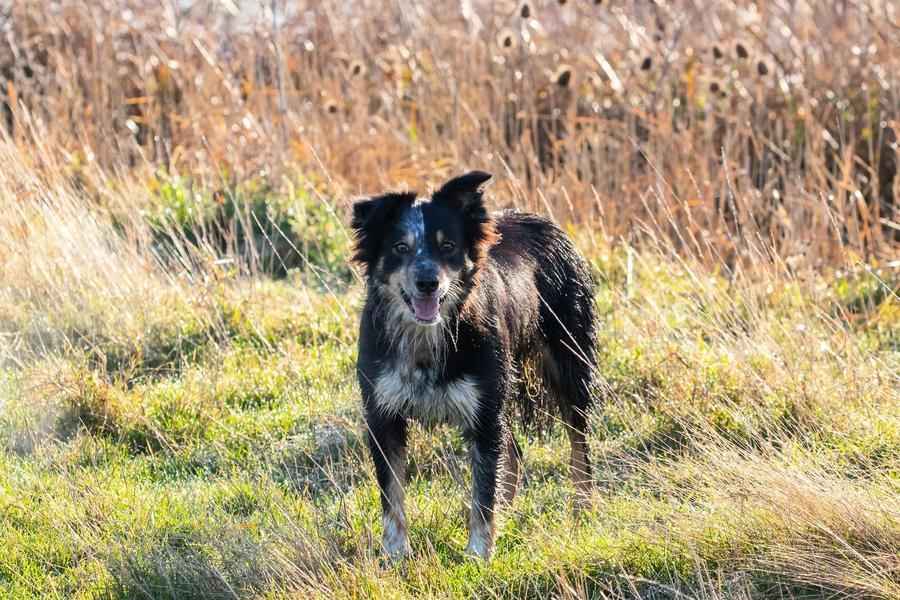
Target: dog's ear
pixel 464 194
pixel 362 209
pixel 370 218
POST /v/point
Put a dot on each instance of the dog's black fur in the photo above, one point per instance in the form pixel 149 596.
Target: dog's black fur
pixel 458 301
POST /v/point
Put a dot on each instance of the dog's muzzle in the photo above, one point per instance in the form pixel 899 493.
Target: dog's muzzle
pixel 426 308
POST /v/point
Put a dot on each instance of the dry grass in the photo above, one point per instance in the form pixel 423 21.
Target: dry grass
pixel 770 124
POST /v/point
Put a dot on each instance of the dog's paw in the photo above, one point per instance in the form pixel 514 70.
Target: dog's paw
pixel 479 548
pixel 582 503
pixel 395 540
pixel 396 548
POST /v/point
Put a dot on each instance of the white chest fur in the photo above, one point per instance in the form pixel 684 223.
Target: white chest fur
pixel 414 393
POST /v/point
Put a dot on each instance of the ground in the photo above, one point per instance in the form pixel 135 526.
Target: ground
pixel 198 433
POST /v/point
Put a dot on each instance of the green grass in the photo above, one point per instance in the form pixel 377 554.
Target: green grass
pixel 199 436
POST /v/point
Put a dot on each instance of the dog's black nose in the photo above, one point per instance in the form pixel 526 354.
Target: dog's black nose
pixel 426 285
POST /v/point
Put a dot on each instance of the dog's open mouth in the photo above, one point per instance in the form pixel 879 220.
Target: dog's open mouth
pixel 425 308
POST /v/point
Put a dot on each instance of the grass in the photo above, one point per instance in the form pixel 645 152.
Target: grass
pixel 179 416
pixel 175 429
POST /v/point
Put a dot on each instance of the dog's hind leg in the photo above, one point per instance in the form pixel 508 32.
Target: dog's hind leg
pixel 387 443
pixel 569 373
pixel 579 461
pixel 512 457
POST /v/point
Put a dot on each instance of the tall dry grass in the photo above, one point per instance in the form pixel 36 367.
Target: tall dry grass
pixel 81 275
pixel 734 125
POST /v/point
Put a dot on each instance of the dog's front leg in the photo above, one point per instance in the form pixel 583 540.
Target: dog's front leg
pixel 387 443
pixel 485 454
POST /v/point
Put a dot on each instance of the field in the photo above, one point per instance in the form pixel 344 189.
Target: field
pixel 179 414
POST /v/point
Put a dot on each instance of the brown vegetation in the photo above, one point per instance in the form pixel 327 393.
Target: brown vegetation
pixel 726 127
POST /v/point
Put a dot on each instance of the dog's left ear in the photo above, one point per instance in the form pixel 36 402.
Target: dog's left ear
pixel 463 192
pixel 370 217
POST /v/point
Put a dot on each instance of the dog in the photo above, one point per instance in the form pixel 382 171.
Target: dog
pixel 458 301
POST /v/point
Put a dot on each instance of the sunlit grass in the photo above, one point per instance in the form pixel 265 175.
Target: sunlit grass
pixel 189 431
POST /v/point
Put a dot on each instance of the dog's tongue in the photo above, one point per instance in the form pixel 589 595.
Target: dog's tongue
pixel 426 309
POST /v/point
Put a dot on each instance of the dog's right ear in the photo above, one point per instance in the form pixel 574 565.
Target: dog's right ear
pixel 370 218
pixel 464 194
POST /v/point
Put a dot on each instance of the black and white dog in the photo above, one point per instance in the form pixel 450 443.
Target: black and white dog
pixel 458 300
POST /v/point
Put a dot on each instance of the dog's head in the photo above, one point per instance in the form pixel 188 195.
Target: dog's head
pixel 425 255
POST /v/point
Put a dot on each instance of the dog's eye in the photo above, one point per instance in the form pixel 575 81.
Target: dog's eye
pixel 401 247
pixel 448 246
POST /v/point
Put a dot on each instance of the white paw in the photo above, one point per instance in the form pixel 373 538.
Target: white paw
pixel 397 550
pixel 479 547
pixel 395 540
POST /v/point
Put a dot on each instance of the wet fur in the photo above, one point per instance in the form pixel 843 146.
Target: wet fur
pixel 518 293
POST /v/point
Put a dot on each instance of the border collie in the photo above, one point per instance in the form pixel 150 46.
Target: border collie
pixel 458 302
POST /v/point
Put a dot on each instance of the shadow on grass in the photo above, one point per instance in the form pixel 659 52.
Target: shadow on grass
pixel 328 458
pixel 189 565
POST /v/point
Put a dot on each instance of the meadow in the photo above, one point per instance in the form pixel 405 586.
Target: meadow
pixel 179 413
